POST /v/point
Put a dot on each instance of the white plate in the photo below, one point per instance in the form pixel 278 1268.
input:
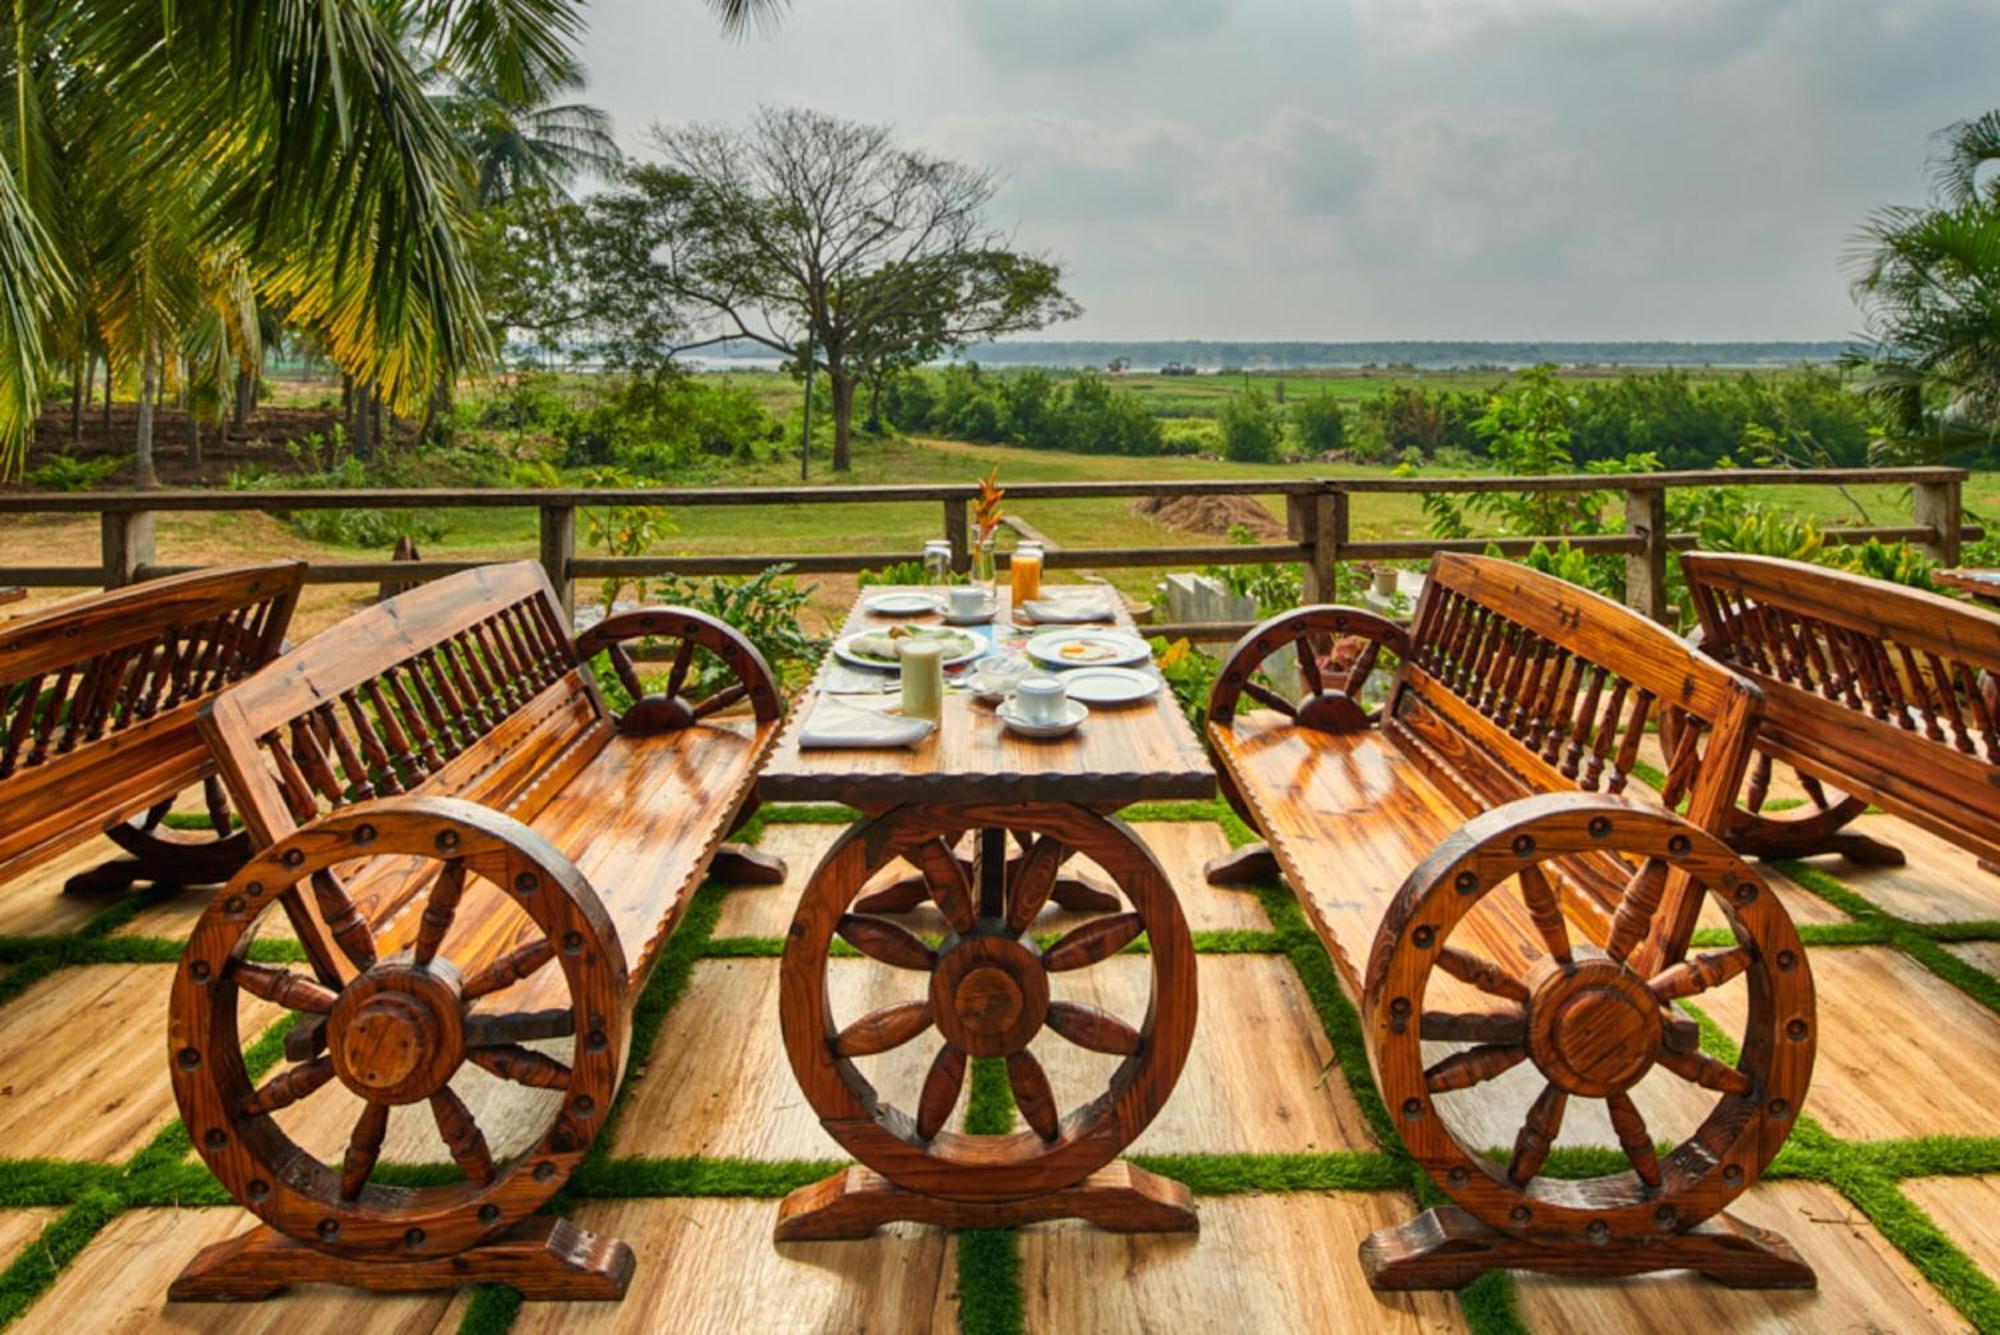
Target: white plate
pixel 1074 712
pixel 902 604
pixel 845 654
pixel 1110 685
pixel 1088 648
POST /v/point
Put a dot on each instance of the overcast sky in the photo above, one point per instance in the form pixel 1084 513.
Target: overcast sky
pixel 1361 169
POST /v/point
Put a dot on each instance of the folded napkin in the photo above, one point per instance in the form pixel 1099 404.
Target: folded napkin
pixel 1069 611
pixel 835 722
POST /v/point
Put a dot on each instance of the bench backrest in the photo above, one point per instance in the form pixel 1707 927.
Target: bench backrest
pixel 467 687
pixel 98 697
pixel 1887 692
pixel 1519 683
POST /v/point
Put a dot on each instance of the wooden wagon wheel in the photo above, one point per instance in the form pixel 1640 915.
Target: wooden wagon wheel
pixel 985 989
pixel 1331 701
pixel 398 1028
pixel 1078 892
pixel 1590 1022
pixel 1818 826
pixel 690 695
pixel 169 856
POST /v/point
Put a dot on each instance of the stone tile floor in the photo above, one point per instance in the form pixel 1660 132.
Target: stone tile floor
pixel 1892 1192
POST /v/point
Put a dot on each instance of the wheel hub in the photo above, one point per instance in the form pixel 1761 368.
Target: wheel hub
pixel 397 1033
pixel 1593 1027
pixel 990 994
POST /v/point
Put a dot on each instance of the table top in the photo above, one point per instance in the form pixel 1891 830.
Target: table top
pixel 1120 755
pixel 1981 583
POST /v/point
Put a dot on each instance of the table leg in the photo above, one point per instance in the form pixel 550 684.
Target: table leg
pixel 986 991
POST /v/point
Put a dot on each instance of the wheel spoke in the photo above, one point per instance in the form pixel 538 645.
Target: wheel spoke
pixel 1636 908
pixel 1033 881
pixel 885 941
pixel 439 911
pixel 940 1096
pixel 282 987
pixel 509 969
pixel 1089 1027
pixel 721 700
pixel 1483 974
pixel 1032 1094
pixel 1705 1071
pixel 1633 1137
pixel 683 660
pixel 944 877
pixel 462 1137
pixel 524 1066
pixel 1538 1135
pixel 1699 973
pixel 1357 672
pixel 879 1031
pixel 1508 1026
pixel 364 1147
pixel 1302 650
pixel 1816 792
pixel 350 930
pixel 288 1087
pixel 1093 942
pixel 1463 1070
pixel 1546 911
pixel 157 814
pixel 1269 698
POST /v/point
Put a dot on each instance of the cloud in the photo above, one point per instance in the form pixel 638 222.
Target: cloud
pixel 1075 34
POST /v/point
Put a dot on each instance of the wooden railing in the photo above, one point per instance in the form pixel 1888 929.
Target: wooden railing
pixel 1317 511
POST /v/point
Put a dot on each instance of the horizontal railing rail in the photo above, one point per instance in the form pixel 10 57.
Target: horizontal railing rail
pixel 1317 522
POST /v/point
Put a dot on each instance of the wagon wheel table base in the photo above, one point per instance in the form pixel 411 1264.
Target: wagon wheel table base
pixel 982 824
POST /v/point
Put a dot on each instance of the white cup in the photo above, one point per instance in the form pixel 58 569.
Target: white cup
pixel 965 600
pixel 1040 699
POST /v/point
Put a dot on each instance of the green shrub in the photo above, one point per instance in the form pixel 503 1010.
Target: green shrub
pixel 1249 424
pixel 1320 423
pixel 63 473
pixel 374 529
pixel 764 607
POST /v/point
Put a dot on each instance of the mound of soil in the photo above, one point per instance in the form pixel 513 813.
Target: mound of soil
pixel 1212 515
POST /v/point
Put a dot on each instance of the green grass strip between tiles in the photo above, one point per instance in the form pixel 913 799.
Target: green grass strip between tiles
pixel 990 1301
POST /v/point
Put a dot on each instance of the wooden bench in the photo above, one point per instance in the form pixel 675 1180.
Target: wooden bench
pixel 98 733
pixel 1874 693
pixel 1513 926
pixel 482 861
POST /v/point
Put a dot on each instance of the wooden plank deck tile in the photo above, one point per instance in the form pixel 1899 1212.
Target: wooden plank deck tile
pixel 1865 1284
pixel 1183 848
pixel 35 903
pixel 118 1284
pixel 717 1082
pixel 1257 1079
pixel 1979 954
pixel 1967 1209
pixel 1801 903
pixel 710 1265
pixel 83 1071
pixel 18 1228
pixel 1939 883
pixel 1901 1051
pixel 1260 1263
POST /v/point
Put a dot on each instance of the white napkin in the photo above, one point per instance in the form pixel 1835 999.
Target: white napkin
pixel 1074 611
pixel 835 722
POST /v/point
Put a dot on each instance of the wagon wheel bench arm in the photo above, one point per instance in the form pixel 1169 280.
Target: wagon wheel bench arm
pixel 676 707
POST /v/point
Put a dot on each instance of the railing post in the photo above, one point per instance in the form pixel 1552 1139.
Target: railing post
pixel 957 519
pixel 127 538
pixel 1317 521
pixel 1646 569
pixel 558 550
pixel 1938 506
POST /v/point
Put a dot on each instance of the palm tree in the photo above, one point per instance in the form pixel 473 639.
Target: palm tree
pixel 1928 283
pixel 521 146
pixel 295 134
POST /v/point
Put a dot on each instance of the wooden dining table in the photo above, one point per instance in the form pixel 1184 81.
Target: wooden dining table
pixel 990 830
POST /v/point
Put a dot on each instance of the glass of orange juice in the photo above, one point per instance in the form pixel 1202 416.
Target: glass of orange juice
pixel 1025 567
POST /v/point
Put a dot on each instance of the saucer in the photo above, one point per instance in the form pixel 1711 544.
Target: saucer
pixel 1074 712
pixel 978 618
